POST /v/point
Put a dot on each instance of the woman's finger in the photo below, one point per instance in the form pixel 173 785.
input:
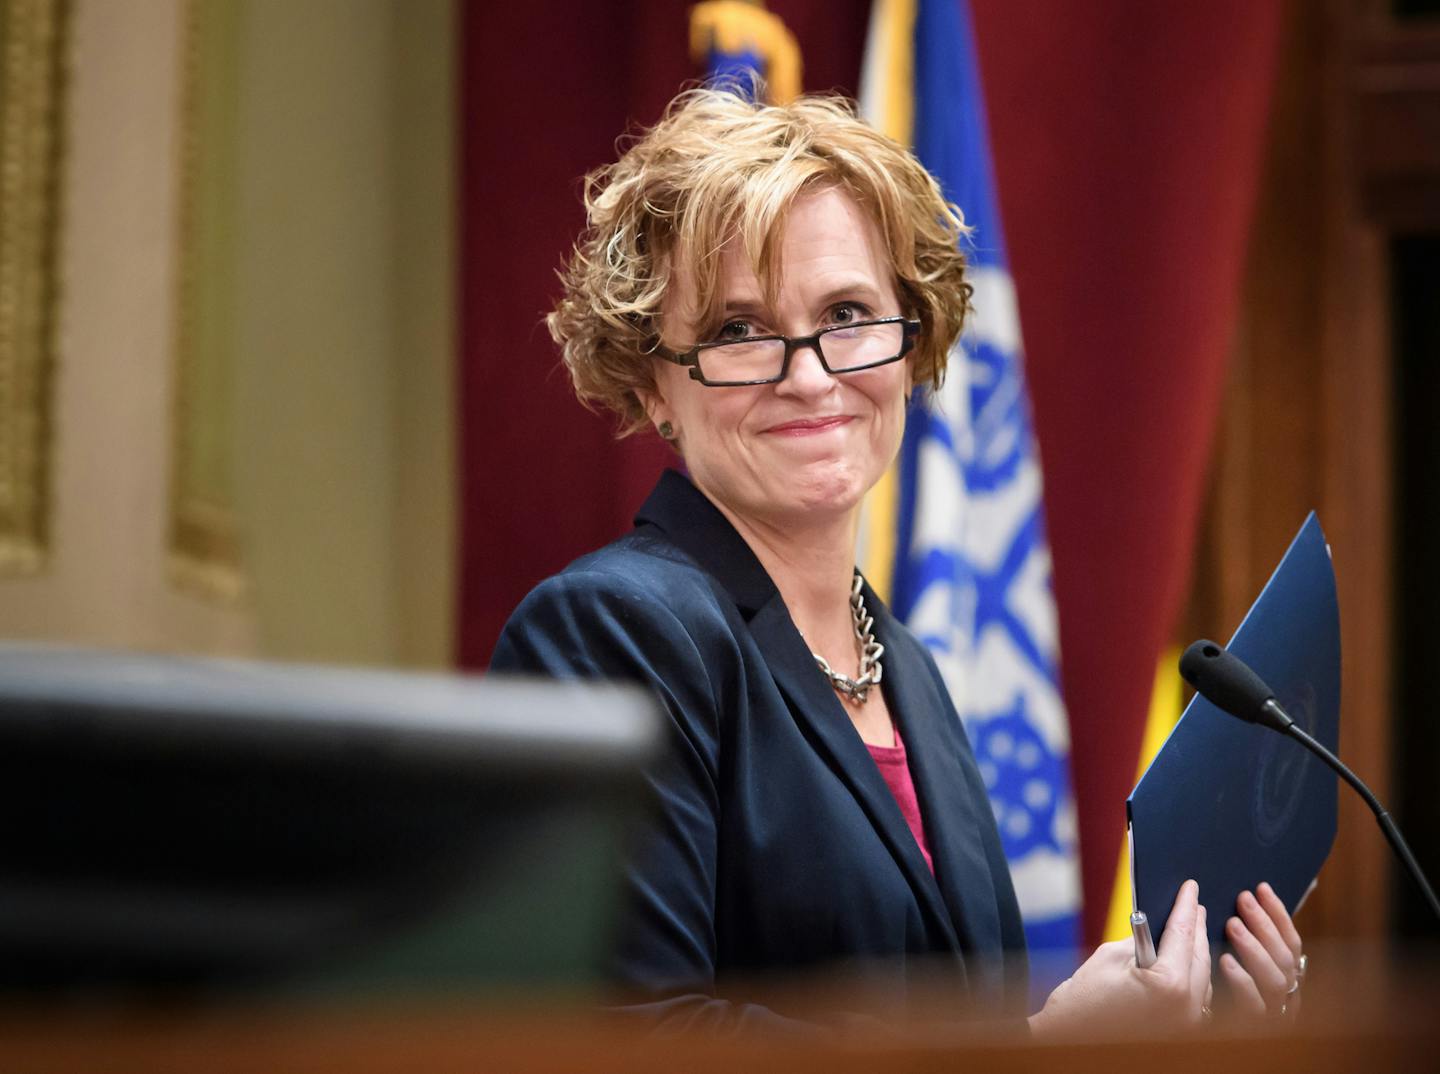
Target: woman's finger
pixel 1263 928
pixel 1177 943
pixel 1281 917
pixel 1246 996
pixel 1200 960
pixel 1269 978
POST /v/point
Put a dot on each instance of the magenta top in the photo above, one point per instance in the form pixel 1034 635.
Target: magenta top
pixel 896 770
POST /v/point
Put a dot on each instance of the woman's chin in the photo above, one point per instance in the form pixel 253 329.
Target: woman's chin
pixel 797 497
pixel 826 492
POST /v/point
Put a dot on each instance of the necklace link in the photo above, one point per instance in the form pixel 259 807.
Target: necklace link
pixel 858 688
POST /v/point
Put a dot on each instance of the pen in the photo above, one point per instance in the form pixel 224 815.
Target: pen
pixel 1144 943
pixel 1139 923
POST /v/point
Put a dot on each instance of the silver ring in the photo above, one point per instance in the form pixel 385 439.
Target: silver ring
pixel 1206 1012
pixel 1300 967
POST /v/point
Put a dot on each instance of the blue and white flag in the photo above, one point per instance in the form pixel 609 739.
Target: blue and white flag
pixel 971 564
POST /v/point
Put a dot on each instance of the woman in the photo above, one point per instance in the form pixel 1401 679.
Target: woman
pixel 764 286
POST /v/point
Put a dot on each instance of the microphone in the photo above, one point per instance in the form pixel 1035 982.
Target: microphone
pixel 1229 684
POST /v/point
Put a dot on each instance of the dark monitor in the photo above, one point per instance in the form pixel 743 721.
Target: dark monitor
pixel 187 824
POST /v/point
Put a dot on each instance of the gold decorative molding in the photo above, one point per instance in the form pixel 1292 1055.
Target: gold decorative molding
pixel 32 42
pixel 205 547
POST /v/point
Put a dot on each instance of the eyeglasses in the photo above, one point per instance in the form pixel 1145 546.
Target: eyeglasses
pixel 843 348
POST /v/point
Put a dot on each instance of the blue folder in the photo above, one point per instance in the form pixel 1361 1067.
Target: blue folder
pixel 1231 803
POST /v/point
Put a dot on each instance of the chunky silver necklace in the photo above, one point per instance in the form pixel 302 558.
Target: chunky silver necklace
pixel 857 689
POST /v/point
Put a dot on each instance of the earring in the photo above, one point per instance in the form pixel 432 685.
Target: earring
pixel 666 430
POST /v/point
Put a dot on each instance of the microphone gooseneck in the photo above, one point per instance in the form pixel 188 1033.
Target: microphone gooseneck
pixel 1228 683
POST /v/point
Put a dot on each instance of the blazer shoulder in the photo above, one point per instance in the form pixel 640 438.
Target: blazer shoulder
pixel 645 567
pixel 637 609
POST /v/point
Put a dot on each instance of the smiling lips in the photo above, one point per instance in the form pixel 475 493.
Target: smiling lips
pixel 810 426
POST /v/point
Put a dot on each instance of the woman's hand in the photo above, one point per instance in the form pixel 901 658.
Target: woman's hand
pixel 1110 993
pixel 1265 978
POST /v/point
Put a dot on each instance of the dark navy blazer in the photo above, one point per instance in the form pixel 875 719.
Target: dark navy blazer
pixel 776 844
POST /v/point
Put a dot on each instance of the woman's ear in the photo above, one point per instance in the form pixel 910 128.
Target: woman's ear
pixel 657 410
pixel 651 401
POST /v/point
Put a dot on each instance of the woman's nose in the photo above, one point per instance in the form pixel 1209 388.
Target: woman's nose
pixel 807 375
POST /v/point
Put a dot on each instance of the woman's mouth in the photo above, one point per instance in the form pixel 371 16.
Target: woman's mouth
pixel 810 426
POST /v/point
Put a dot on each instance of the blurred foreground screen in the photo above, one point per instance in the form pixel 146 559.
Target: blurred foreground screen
pixel 183 825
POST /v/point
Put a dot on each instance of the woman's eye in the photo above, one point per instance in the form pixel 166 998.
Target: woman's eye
pixel 733 330
pixel 848 313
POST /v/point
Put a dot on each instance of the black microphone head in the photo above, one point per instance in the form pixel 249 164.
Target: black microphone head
pixel 1225 680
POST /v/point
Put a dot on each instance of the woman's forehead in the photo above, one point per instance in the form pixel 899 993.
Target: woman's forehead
pixel 825 236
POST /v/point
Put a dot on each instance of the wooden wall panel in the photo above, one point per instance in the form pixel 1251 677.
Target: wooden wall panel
pixel 32 33
pixel 1306 423
pixel 204 540
pixel 1396 81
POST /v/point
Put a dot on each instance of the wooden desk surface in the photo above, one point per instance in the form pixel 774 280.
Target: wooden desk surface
pixel 1360 1014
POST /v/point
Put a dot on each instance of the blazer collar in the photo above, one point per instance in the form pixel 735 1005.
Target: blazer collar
pixel 696 525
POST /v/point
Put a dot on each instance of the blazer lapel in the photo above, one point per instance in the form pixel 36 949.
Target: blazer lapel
pixel 947 792
pixel 823 719
pixel 696 525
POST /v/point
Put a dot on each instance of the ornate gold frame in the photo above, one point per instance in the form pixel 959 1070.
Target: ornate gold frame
pixel 32 86
pixel 204 554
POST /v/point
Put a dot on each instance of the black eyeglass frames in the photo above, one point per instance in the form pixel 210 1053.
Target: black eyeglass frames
pixel 843 348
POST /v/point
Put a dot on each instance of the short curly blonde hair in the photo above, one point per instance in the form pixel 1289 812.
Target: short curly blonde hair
pixel 719 167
